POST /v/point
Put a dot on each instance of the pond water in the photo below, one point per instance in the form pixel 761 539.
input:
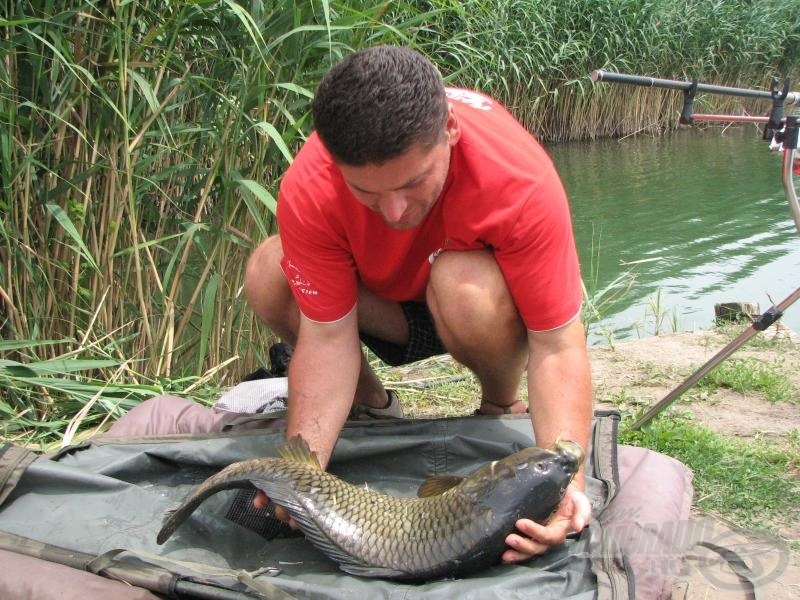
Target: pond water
pixel 696 216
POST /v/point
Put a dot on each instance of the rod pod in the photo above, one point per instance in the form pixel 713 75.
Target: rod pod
pixel 786 130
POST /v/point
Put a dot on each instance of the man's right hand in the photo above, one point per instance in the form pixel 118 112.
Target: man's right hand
pixel 261 501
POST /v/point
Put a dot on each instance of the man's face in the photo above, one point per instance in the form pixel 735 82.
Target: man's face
pixel 403 190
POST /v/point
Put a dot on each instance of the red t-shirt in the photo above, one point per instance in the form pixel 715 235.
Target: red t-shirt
pixel 502 191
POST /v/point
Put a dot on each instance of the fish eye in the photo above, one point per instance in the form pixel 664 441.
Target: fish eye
pixel 539 467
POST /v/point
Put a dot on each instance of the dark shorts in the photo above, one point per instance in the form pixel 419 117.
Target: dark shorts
pixel 422 339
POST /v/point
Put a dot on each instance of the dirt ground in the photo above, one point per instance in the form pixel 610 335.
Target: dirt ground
pixel 644 371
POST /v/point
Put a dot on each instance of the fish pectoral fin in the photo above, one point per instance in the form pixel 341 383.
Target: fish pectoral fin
pixel 296 449
pixel 437 485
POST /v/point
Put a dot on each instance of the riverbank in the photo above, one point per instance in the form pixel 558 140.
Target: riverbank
pixel 634 374
pixel 641 372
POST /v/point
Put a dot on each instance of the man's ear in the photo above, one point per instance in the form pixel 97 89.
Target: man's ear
pixel 452 126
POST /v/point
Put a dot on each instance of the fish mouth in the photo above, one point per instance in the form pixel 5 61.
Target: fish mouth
pixel 571 450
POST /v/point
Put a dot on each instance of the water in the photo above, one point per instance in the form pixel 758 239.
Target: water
pixel 704 215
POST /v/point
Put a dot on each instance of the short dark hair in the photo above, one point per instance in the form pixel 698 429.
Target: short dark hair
pixel 375 103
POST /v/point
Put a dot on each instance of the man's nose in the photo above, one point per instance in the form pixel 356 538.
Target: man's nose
pixel 392 206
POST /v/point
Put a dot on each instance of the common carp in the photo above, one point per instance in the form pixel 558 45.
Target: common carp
pixel 456 526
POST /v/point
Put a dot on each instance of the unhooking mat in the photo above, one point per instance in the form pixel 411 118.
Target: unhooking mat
pixel 100 505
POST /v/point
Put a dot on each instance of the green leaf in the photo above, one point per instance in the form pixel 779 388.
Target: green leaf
pixel 145 88
pixel 18 370
pixel 276 137
pixel 18 22
pixel 65 222
pixel 292 87
pixel 9 345
pixel 260 192
pixel 60 366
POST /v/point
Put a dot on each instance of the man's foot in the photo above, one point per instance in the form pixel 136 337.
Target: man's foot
pixel 392 410
pixel 490 408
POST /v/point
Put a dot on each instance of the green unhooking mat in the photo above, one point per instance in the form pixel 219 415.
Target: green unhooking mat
pixel 98 507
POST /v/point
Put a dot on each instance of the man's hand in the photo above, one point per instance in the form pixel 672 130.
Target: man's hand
pixel 261 501
pixel 573 514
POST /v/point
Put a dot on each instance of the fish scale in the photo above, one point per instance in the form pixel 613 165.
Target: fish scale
pixel 377 535
pixel 369 513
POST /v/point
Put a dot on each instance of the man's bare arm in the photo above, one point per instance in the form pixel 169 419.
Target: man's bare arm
pixel 559 385
pixel 560 395
pixel 322 381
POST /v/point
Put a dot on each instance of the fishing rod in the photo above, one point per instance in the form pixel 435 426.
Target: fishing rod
pixel 784 130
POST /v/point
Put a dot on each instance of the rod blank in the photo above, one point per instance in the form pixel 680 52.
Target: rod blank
pixel 672 84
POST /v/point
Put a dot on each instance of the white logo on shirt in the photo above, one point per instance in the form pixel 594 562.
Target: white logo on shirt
pixel 433 255
pixel 297 281
pixel 472 99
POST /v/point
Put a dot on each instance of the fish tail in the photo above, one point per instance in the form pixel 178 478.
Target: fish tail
pixel 176 516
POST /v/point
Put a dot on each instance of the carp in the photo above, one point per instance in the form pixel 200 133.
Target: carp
pixel 456 525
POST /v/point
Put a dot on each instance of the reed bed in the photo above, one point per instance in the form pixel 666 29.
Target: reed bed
pixel 536 55
pixel 141 144
pixel 141 147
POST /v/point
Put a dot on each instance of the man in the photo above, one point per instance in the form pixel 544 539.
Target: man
pixel 423 220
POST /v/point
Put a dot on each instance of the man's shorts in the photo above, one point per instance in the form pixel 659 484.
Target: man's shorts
pixel 422 338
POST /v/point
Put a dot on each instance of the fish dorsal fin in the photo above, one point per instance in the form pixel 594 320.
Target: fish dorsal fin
pixel 438 484
pixel 297 450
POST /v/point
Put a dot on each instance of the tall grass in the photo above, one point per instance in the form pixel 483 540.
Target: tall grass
pixel 141 144
pixel 141 147
pixel 535 55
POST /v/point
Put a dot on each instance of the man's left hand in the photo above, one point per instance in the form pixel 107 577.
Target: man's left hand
pixel 572 515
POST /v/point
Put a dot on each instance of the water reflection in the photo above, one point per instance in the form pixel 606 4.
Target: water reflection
pixel 704 209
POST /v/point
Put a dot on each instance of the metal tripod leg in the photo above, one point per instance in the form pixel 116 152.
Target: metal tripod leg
pixel 764 321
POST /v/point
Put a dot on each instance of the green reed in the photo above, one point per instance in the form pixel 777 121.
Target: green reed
pixel 536 55
pixel 140 148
